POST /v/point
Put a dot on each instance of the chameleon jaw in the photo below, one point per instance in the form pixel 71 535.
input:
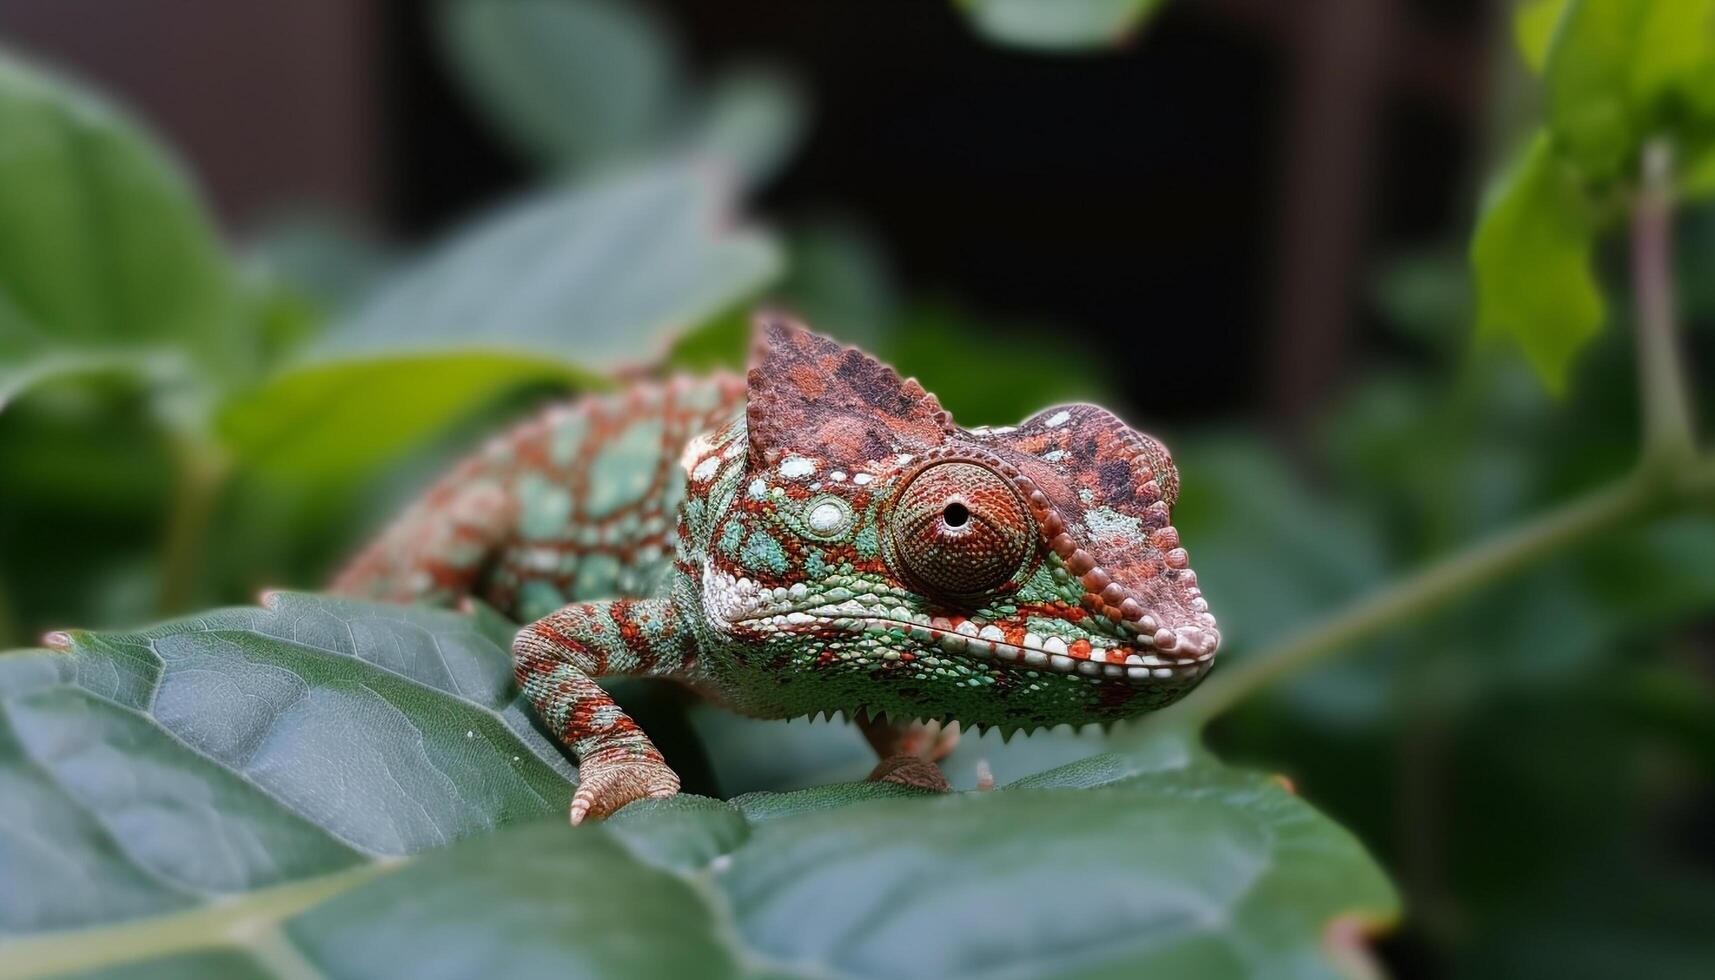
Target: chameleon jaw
pixel 731 603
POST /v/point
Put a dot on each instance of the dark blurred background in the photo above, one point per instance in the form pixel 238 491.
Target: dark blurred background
pixel 1226 180
pixel 1244 228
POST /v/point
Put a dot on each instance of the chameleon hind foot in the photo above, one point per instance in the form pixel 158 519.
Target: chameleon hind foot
pixel 913 771
pixel 611 778
pixel 928 740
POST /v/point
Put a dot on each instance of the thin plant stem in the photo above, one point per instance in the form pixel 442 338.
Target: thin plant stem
pixel 1429 589
pixel 1670 475
pixel 1666 404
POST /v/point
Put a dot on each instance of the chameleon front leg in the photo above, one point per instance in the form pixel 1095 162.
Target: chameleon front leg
pixel 557 659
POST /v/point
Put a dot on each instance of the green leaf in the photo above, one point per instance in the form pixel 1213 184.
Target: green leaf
pixel 1617 72
pixel 558 291
pixel 573 82
pixel 1533 28
pixel 751 121
pixel 171 768
pixel 103 244
pixel 1532 256
pixel 1196 871
pixel 1590 109
pixel 1675 54
pixel 257 791
pixel 328 423
pixel 1058 25
pixel 598 277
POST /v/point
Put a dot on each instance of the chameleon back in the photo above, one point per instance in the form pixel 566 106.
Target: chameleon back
pixel 578 503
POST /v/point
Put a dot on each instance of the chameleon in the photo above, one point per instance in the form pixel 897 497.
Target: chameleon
pixel 817 536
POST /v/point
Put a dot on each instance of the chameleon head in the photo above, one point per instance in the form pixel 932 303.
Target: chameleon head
pixel 1015 576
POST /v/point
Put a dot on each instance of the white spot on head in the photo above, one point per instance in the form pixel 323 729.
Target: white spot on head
pixel 1058 418
pixel 862 478
pixel 794 467
pixel 1105 522
pixel 706 468
pixel 838 476
pixel 698 446
pixel 828 517
pixel 758 489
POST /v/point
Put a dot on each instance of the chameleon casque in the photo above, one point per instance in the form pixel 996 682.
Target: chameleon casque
pixel 819 536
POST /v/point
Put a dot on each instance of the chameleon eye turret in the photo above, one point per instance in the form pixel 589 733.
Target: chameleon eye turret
pixel 960 530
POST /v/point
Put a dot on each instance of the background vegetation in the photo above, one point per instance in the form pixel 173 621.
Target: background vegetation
pixel 1466 617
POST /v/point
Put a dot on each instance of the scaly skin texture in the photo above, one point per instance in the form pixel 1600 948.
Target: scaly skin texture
pixel 821 537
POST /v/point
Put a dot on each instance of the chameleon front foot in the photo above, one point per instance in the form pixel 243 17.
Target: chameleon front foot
pixel 609 779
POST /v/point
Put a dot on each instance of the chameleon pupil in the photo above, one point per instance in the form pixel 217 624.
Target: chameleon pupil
pixel 960 530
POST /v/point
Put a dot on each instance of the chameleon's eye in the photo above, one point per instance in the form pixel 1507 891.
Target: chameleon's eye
pixel 960 530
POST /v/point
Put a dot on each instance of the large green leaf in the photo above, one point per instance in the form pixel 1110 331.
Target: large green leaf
pixel 1058 25
pixel 103 244
pixel 232 795
pixel 328 422
pixel 248 748
pixel 558 289
pixel 597 276
pixel 1532 255
pixel 571 81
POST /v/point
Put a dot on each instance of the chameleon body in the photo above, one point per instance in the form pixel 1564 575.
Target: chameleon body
pixel 817 537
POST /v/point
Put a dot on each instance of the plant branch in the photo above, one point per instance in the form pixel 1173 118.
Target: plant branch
pixel 1667 416
pixel 1670 473
pixel 1461 574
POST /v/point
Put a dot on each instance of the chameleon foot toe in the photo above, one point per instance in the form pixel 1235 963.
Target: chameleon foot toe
pixel 911 770
pixel 607 783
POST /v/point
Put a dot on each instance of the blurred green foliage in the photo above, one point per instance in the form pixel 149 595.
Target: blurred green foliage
pixel 1067 26
pixel 1532 766
pixel 1615 74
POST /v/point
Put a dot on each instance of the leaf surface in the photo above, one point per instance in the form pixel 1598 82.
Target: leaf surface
pixel 253 792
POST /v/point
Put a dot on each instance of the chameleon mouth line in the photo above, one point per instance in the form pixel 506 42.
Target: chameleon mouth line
pixel 738 602
pixel 1050 653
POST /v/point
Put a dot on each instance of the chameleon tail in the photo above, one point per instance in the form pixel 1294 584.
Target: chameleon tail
pixel 437 551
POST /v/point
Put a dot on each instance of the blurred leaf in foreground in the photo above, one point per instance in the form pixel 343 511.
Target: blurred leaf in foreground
pixel 184 812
